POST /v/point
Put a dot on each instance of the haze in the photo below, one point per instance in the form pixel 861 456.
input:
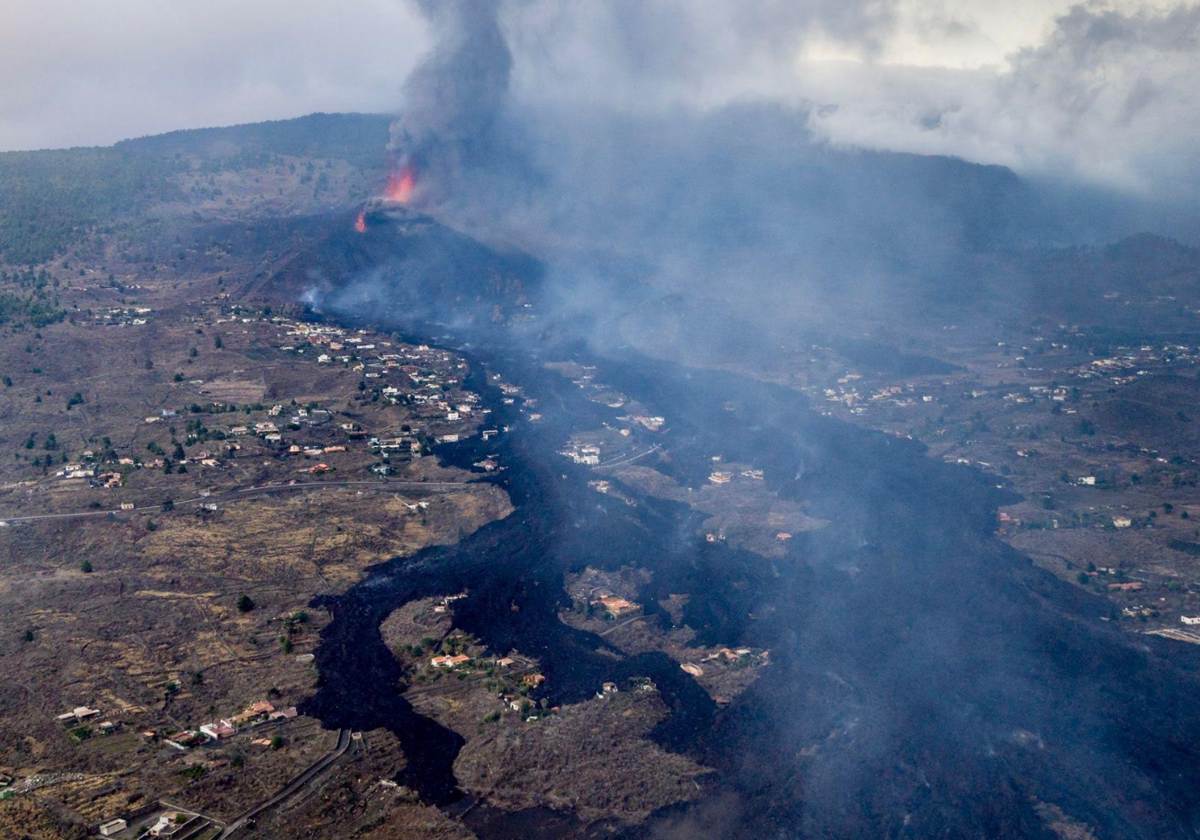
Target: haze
pixel 1095 93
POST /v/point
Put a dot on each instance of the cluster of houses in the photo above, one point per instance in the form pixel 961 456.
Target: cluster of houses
pixel 447 662
pixel 846 394
pixel 118 316
pixel 728 656
pixel 253 715
pixel 442 606
pixel 429 377
pixel 742 654
pixel 587 454
pixel 726 476
pixel 1129 363
pixel 652 423
pixel 81 721
pixel 79 714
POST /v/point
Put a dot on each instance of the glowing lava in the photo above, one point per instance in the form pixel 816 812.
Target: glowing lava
pixel 360 224
pixel 401 186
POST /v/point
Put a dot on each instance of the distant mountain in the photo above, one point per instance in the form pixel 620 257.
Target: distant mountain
pixel 358 138
pixel 50 199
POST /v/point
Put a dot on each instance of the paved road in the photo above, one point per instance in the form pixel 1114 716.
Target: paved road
pixel 620 462
pixel 244 492
pixel 291 788
pixel 604 633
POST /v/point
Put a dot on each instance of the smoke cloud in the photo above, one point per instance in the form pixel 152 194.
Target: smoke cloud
pixel 456 93
pixel 736 200
pixel 1107 99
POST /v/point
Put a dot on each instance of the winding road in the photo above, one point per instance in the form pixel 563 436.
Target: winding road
pixel 291 788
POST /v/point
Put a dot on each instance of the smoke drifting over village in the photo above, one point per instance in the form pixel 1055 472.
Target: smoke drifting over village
pixel 633 140
pixel 648 419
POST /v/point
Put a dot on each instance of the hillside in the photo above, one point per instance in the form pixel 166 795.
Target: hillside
pixel 49 200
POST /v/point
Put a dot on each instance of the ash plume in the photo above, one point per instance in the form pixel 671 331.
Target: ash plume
pixel 731 198
pixel 454 95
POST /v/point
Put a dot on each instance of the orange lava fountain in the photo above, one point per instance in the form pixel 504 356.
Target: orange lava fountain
pixel 360 224
pixel 401 186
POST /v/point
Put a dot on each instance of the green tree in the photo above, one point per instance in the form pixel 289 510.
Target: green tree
pixel 245 603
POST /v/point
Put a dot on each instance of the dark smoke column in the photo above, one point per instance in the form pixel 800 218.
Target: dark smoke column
pixel 452 100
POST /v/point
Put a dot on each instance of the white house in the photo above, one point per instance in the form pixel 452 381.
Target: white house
pixel 112 827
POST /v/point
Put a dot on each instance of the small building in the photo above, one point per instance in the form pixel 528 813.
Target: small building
pixel 112 827
pixel 449 661
pixel 1190 619
pixel 254 713
pixel 505 662
pixel 533 680
pixel 617 607
pixel 1122 521
pixel 219 730
pixel 184 741
pixel 170 824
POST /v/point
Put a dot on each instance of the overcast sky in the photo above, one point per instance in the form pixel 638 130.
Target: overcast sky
pixel 1101 92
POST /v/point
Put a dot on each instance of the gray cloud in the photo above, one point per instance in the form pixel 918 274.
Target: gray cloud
pixel 74 72
pixel 735 200
pixel 1100 94
pixel 640 55
pixel 1108 98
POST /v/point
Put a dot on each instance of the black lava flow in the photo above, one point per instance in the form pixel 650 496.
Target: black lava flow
pixel 924 679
